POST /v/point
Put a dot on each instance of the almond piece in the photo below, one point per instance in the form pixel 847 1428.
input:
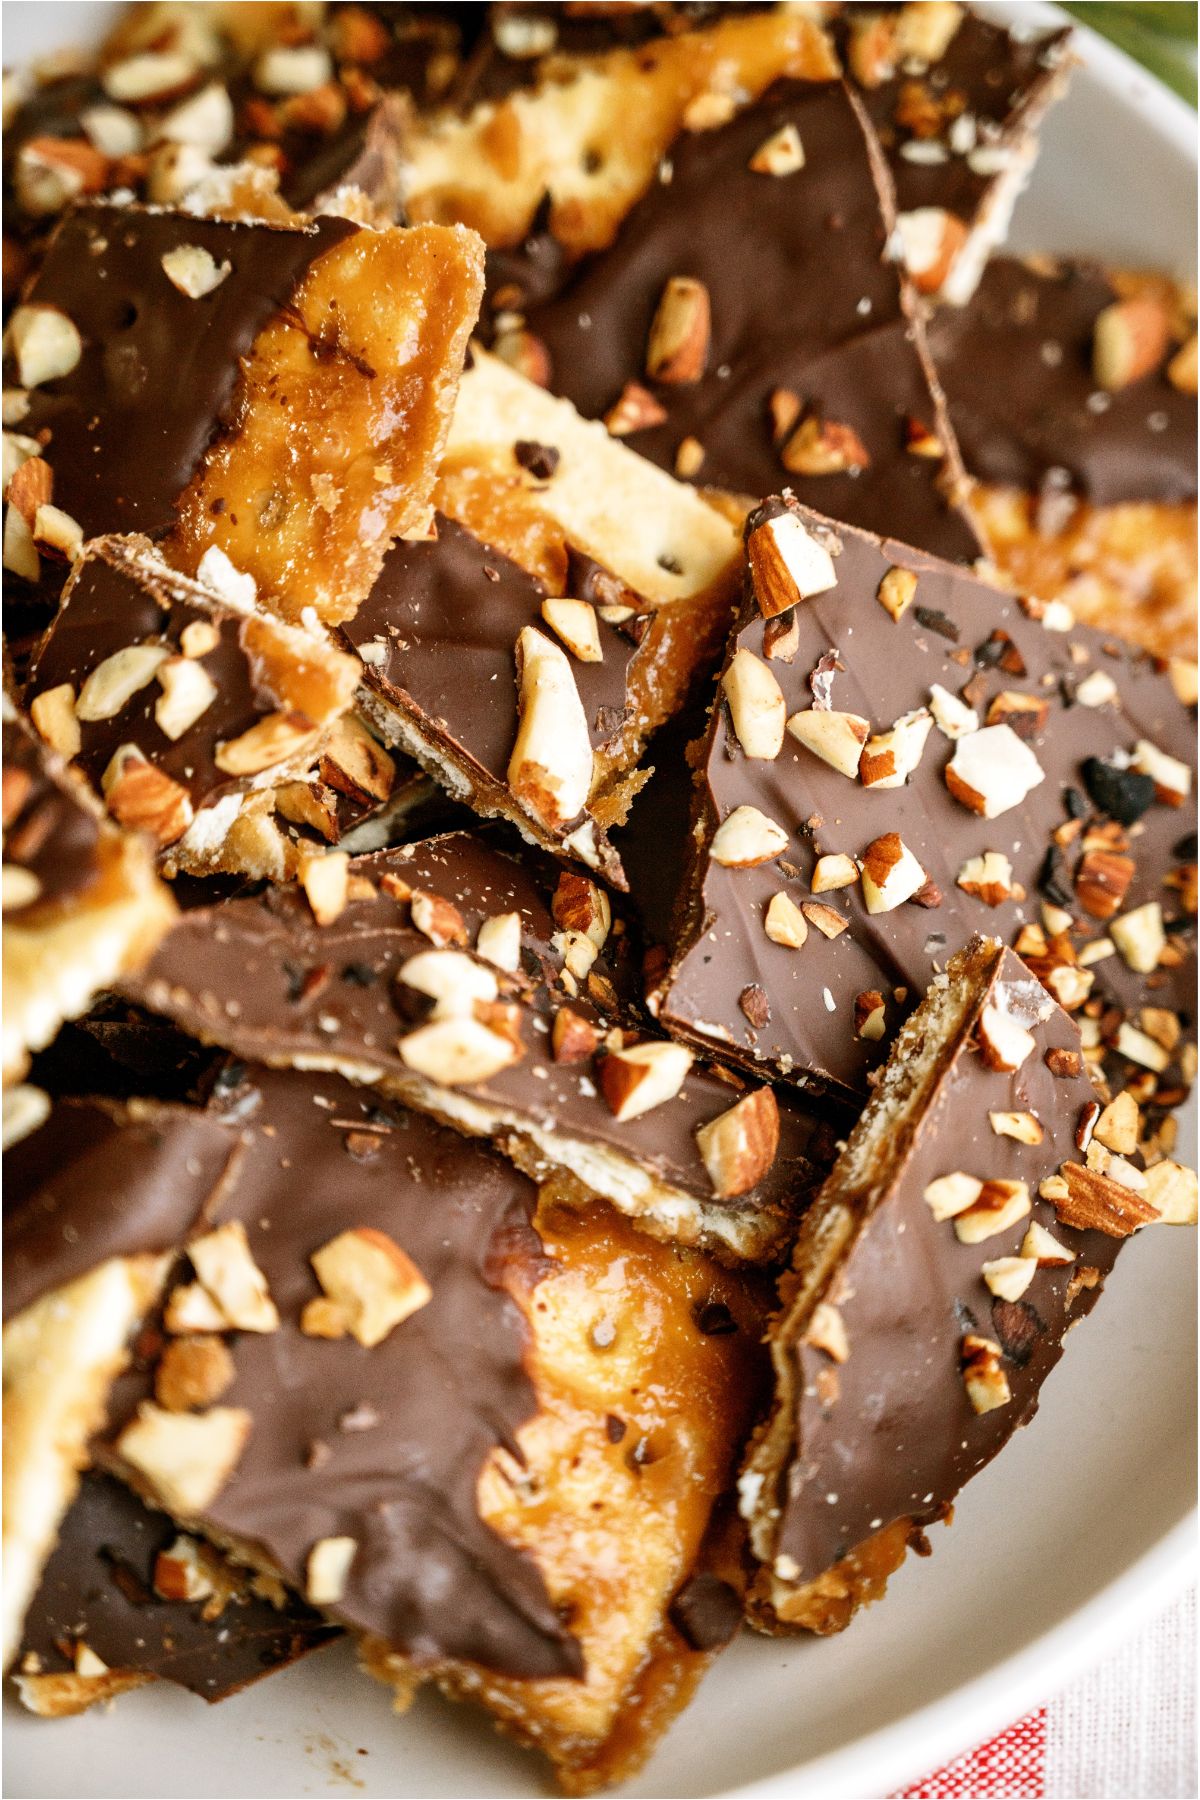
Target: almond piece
pixel 457 1052
pixel 193 270
pixel 1139 937
pixel 328 1570
pixel 829 923
pixel 1095 1202
pixel 50 172
pixel 827 1331
pixel 1009 1276
pixel 579 905
pixel 193 1372
pixel 1097 689
pixel 20 552
pixel 372 1280
pixel 836 871
pixel 148 77
pixel 1045 1250
pixel 1117 1126
pixel 498 941
pixel 780 154
pixel 689 458
pixel 746 838
pixel 837 738
pixel 21 887
pixel 44 342
pixel 438 919
pixel 1025 713
pixel 184 1458
pixel 897 591
pixel 739 1146
pixel 188 690
pixel 204 120
pixel 180 1572
pixel 550 770
pixel 889 759
pixel 1003 1041
pixel 1171 1191
pixel 1172 779
pixel 277 737
pixel 142 798
pixel 983 1377
pixel 191 1308
pixel 636 410
pixel 925 29
pixel 988 877
pixel 574 621
pixel 292 69
pixel 824 447
pixel 950 1195
pixel 1021 1126
pixel 29 487
pixel 756 705
pixel 787 564
pixel 633 1080
pixel 452 979
pixel 573 1039
pixel 891 873
pixel 54 718
pixel 991 771
pixel 784 923
pixel 113 683
pixel 1130 339
pixel 929 241
pixel 56 533
pixel 1181 370
pixel 225 1266
pixel 677 350
pixel 999 1205
pixel 952 716
pixel 356 764
pixel 325 878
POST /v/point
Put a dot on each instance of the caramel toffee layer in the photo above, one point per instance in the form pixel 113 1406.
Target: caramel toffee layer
pixel 262 978
pixel 384 1445
pixel 805 305
pixel 99 1180
pixel 1017 366
pixel 950 129
pixel 48 829
pixel 1094 837
pixel 129 425
pixel 888 1430
pixel 107 1584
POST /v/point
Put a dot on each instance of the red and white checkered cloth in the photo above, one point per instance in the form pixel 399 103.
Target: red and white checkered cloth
pixel 1126 1731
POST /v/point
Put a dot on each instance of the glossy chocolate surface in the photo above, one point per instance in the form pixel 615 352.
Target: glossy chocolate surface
pixel 902 1438
pixel 804 301
pixel 386 1444
pixel 1016 365
pixel 947 636
pixel 98 1589
pixel 260 977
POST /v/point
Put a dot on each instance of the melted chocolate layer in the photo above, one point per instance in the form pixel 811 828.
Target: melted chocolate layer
pixel 98 1590
pixel 901 1438
pixel 130 424
pixel 48 829
pixel 947 636
pixel 1016 364
pixel 386 1445
pixel 805 301
pixel 97 1181
pixel 260 977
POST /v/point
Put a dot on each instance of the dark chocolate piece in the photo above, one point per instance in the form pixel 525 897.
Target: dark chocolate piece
pixel 707 1612
pixel 1016 366
pixel 807 304
pixel 1081 697
pixel 446 1386
pixel 260 977
pixel 49 829
pixel 98 1589
pixel 884 1412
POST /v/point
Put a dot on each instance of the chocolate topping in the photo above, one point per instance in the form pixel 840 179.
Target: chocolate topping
pixel 1016 366
pixel 98 1589
pixel 130 424
pixel 448 613
pixel 902 1437
pixel 707 1612
pixel 444 1388
pixel 49 828
pixel 260 977
pixel 101 1180
pixel 805 302
pixel 890 667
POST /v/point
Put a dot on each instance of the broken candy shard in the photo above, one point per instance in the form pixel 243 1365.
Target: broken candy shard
pixel 939 682
pixel 210 418
pixel 880 1417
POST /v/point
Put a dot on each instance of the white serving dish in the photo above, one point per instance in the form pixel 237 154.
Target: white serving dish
pixel 1080 1530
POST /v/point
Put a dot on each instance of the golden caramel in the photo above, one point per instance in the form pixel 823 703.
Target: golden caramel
pixel 343 411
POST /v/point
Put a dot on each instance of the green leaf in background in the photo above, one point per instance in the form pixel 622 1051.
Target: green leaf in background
pixel 1158 34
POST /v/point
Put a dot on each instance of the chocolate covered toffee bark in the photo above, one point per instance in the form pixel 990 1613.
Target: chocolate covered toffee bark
pixel 525 652
pixel 987 1189
pixel 97 1198
pixel 957 102
pixel 126 1599
pixel 192 710
pixel 447 974
pixel 82 902
pixel 1073 395
pixel 742 358
pixel 1028 777
pixel 280 392
pixel 453 1427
